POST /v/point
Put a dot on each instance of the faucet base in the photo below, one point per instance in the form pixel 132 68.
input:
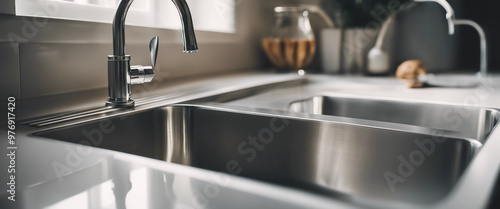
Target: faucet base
pixel 119 81
pixel 120 104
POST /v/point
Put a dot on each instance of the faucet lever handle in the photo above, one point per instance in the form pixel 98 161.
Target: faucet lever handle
pixel 144 74
pixel 153 48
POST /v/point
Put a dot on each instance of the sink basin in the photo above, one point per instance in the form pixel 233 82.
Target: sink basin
pixel 470 122
pixel 337 159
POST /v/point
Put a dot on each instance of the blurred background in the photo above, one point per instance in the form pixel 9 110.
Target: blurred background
pixel 420 32
pixel 63 53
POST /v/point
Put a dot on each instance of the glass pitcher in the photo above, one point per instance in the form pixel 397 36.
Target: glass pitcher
pixel 291 44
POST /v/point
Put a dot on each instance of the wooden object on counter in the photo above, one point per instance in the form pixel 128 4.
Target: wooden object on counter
pixel 409 71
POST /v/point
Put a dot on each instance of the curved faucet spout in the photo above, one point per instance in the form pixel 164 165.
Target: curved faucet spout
pixel 188 35
pixel 450 14
pixel 120 73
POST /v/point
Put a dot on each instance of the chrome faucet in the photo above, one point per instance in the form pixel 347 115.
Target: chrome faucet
pixel 120 73
pixel 452 22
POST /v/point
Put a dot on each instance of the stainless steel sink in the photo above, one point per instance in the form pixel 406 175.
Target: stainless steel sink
pixel 470 122
pixel 338 159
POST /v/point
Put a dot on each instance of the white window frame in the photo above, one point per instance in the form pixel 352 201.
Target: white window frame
pixel 208 15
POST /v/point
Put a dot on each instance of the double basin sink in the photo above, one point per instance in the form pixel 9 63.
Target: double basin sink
pixel 336 146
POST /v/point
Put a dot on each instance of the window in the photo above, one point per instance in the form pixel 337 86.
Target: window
pixel 208 15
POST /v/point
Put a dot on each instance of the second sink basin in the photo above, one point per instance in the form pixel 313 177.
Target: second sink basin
pixel 337 159
pixel 470 122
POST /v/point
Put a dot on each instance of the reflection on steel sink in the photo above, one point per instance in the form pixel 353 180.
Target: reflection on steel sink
pixel 336 159
pixel 470 122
